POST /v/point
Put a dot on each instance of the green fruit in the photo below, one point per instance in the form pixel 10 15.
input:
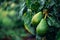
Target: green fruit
pixel 42 27
pixel 1 10
pixel 0 14
pixel 37 17
pixel 3 14
pixel 12 13
pixel 7 22
pixel 13 5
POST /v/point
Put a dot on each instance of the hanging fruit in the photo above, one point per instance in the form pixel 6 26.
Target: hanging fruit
pixel 37 18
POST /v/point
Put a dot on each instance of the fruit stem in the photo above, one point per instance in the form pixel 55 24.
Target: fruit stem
pixel 45 16
pixel 45 12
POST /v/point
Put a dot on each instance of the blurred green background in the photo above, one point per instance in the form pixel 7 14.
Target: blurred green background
pixel 16 15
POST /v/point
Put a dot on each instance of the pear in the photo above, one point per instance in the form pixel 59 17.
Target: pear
pixel 42 27
pixel 7 22
pixel 3 14
pixel 36 18
pixel 12 13
pixel 13 5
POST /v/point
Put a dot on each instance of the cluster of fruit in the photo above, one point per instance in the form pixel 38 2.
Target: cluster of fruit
pixel 39 19
pixel 5 17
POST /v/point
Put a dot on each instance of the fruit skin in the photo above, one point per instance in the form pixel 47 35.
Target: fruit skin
pixel 13 5
pixel 7 22
pixel 3 14
pixel 0 14
pixel 42 28
pixel 37 17
pixel 12 13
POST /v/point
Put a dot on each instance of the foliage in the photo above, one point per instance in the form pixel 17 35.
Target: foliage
pixel 20 12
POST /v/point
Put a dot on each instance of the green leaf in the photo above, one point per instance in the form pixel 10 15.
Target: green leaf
pixel 58 35
pixel 42 3
pixel 21 32
pixel 29 29
pixel 53 22
pixel 28 3
pixel 27 23
pixel 49 22
pixel 22 6
pixel 49 3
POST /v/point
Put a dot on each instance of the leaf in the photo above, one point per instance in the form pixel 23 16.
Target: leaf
pixel 17 38
pixel 49 22
pixel 33 3
pixel 1 35
pixel 54 22
pixel 42 3
pixel 58 35
pixel 28 3
pixel 21 32
pixel 22 6
pixel 49 3
pixel 27 22
pixel 38 37
pixel 29 29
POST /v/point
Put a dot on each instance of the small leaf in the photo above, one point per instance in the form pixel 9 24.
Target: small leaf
pixel 27 22
pixel 54 22
pixel 42 3
pixel 58 35
pixel 29 29
pixel 49 22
